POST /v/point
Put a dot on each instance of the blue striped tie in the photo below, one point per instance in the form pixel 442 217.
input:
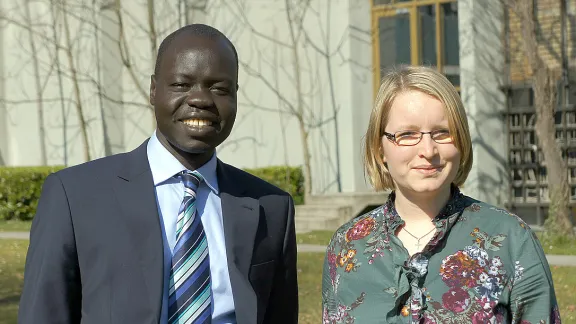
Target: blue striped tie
pixel 189 295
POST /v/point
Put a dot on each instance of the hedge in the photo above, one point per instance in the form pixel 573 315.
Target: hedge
pixel 20 187
pixel 289 179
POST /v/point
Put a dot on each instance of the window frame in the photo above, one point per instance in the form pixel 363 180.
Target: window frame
pixel 410 7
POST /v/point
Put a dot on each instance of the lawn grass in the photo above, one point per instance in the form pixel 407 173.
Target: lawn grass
pixel 13 253
pixel 14 226
pixel 559 246
pixel 12 257
pixel 315 237
pixel 564 282
pixel 310 287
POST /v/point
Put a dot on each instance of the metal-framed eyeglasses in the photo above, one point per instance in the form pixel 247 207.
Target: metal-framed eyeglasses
pixel 411 138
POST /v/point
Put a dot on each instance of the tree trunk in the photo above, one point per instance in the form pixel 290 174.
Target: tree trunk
pixel 300 97
pixel 125 53
pixel 39 91
pixel 306 151
pixel 545 98
pixel 153 47
pixel 545 86
pixel 53 12
pixel 152 33
pixel 75 82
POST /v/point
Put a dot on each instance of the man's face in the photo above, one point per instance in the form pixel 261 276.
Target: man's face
pixel 194 94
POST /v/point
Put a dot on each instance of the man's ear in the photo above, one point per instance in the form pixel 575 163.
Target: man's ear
pixel 152 89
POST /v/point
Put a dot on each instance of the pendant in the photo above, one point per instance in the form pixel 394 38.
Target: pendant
pixel 404 311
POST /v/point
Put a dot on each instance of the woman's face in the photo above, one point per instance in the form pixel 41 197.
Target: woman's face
pixel 427 167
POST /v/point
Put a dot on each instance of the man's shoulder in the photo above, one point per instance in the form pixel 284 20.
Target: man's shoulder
pixel 94 168
pixel 108 165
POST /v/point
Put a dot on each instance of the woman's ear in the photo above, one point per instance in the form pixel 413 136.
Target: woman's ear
pixel 381 153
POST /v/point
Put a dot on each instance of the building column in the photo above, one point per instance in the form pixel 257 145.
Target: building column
pixel 355 111
pixel 482 73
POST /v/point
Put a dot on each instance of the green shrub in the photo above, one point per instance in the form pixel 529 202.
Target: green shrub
pixel 289 179
pixel 20 190
pixel 20 187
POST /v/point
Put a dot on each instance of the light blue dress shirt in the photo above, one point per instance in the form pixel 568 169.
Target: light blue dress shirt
pixel 169 195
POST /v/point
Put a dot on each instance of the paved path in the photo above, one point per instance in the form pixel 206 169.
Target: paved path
pixel 311 248
pixel 15 235
pixel 556 260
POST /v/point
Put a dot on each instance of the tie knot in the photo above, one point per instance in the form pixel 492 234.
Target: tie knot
pixel 191 179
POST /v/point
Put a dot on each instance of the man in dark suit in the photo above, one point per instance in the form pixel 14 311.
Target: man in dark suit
pixel 166 233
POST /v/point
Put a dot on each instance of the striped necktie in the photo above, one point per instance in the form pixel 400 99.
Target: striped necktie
pixel 189 295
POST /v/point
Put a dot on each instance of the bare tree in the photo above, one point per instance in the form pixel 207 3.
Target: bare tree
pixel 545 82
pixel 75 24
pixel 297 100
pixel 327 53
pixel 125 50
pixel 55 43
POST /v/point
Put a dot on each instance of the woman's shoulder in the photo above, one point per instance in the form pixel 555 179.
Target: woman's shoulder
pixel 359 226
pixel 485 215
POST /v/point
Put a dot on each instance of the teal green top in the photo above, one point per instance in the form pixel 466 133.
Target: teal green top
pixel 483 265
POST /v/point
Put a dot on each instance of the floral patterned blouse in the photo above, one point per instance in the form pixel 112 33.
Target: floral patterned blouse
pixel 484 265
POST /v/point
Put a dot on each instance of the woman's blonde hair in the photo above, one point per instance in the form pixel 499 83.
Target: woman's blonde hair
pixel 430 82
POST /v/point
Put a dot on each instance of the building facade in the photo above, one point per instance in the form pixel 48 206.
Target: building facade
pixel 308 76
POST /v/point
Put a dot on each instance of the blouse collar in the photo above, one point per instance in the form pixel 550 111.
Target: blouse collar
pixel 444 221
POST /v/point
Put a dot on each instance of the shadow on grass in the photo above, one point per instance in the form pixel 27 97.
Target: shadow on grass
pixel 10 300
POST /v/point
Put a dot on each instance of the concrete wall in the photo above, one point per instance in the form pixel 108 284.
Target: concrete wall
pixel 266 132
pixel 334 67
pixel 22 101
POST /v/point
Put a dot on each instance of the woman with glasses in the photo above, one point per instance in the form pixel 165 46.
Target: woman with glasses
pixel 431 254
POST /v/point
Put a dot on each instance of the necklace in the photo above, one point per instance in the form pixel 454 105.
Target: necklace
pixel 416 238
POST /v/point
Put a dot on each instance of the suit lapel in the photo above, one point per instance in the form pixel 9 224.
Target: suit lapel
pixel 134 188
pixel 241 217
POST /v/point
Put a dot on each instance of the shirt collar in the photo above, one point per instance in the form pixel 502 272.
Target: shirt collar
pixel 456 203
pixel 164 165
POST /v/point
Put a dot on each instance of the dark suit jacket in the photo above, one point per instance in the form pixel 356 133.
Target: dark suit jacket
pixel 96 248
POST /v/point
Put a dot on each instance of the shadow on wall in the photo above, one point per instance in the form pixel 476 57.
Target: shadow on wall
pixel 2 159
pixel 484 80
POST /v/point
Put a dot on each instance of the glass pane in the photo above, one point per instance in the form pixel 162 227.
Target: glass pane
pixel 451 45
pixel 428 34
pixel 394 40
pixel 521 97
pixel 454 78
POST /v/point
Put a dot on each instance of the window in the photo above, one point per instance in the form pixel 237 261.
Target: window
pixel 394 39
pixel 528 191
pixel 419 32
pixel 386 2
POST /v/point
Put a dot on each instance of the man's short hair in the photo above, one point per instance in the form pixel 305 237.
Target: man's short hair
pixel 196 30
